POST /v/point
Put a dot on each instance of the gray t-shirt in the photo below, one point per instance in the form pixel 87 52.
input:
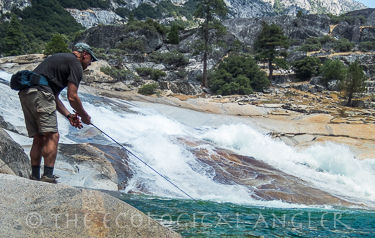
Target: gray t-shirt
pixel 59 69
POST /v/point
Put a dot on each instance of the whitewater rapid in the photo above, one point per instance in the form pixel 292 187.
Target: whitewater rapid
pixel 152 133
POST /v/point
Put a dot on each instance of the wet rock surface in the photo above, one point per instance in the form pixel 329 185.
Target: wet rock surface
pixel 262 180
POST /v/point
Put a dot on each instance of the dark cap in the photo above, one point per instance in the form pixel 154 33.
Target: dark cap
pixel 85 47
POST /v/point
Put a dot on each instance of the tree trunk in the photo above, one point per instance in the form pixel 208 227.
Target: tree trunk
pixel 204 79
pixel 270 68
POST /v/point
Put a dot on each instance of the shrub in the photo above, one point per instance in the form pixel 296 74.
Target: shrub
pixel 349 19
pixel 181 74
pixel 237 74
pixel 306 67
pixel 367 46
pixel 56 45
pixel 326 39
pixel 333 69
pixel 154 73
pixel 343 45
pixel 133 44
pixel 169 58
pixel 148 89
pixel 143 71
pixel 118 74
pixel 99 53
pixel 173 37
pixel 311 44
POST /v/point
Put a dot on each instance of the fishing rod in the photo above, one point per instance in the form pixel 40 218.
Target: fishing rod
pixel 152 168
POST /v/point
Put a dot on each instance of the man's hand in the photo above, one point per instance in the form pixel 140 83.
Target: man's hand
pixel 75 121
pixel 86 119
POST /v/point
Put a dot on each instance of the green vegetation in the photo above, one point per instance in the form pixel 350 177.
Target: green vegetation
pixel 270 46
pixel 354 82
pixel 333 69
pixel 132 45
pixel 169 58
pixel 343 17
pixel 38 23
pixel 311 44
pixel 154 73
pixel 99 53
pixel 146 26
pixel 118 74
pixel 315 43
pixel 209 31
pixel 15 39
pixel 148 89
pixel 367 46
pixel 173 37
pixel 85 4
pixel 306 67
pixel 238 74
pixel 56 45
pixel 343 45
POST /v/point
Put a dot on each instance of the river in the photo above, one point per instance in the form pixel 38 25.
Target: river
pixel 153 133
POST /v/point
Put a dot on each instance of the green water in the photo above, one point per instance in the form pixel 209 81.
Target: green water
pixel 233 220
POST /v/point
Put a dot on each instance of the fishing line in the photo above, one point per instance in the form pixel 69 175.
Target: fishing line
pixel 152 168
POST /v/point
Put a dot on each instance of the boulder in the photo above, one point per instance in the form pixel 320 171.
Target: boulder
pixel 367 34
pixel 333 85
pixel 13 156
pixel 13 64
pixel 316 80
pixel 36 209
pixel 122 37
pixel 342 30
pixel 93 166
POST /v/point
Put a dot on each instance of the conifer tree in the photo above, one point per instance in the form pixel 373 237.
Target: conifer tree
pixel 15 38
pixel 210 29
pixel 56 45
pixel 354 82
pixel 270 47
pixel 173 37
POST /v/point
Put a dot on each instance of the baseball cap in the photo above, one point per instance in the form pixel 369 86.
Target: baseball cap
pixel 85 47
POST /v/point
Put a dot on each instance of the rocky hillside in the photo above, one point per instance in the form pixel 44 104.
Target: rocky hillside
pixel 237 8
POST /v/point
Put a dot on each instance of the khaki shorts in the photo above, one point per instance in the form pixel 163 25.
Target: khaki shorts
pixel 39 110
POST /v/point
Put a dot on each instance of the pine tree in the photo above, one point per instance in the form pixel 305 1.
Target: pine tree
pixel 56 45
pixel 210 30
pixel 354 82
pixel 173 37
pixel 15 38
pixel 269 47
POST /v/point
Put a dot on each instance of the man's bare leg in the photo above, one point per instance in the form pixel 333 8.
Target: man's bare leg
pixel 46 146
pixel 51 139
pixel 36 150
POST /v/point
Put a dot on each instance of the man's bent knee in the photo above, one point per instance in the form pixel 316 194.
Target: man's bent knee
pixel 52 135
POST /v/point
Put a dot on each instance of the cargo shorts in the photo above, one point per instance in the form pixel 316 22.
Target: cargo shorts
pixel 39 110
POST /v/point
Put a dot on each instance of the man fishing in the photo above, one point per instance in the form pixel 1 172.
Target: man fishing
pixel 39 104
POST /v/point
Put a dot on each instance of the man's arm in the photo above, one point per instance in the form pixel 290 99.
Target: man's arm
pixel 60 106
pixel 76 103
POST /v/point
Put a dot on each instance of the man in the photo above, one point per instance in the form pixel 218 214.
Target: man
pixel 39 105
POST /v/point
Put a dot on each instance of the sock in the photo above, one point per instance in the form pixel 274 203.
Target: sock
pixel 35 171
pixel 48 171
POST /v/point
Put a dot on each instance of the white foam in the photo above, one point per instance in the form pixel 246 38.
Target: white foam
pixel 154 138
pixel 5 75
pixel 331 167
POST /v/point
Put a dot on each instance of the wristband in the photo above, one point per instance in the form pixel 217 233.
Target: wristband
pixel 68 115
